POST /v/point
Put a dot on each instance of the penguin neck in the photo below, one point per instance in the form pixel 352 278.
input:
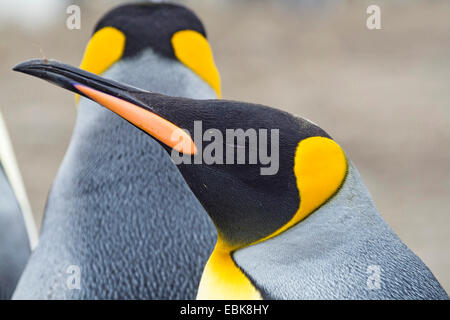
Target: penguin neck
pixel 296 257
pixel 229 270
pixel 222 279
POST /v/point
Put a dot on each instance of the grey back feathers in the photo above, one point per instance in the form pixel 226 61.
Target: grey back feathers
pixel 119 210
pixel 336 253
pixel 14 244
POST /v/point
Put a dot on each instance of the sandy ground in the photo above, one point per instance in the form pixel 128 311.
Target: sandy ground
pixel 383 95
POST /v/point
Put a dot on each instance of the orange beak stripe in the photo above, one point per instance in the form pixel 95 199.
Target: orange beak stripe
pixel 158 127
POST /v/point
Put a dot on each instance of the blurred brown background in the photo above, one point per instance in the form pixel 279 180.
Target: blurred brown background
pixel 384 95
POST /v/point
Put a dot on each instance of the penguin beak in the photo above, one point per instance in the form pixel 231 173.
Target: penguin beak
pixel 117 97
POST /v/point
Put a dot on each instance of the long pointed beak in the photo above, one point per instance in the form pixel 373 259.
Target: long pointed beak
pixel 117 97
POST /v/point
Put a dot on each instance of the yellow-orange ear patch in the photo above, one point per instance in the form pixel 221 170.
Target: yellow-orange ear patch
pixel 103 50
pixel 193 50
pixel 320 167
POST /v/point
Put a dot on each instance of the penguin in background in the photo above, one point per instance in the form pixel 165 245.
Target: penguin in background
pixel 308 229
pixel 18 232
pixel 120 223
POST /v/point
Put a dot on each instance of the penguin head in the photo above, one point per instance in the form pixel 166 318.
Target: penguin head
pixel 170 31
pixel 291 166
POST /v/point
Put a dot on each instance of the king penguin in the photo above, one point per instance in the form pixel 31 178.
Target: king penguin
pixel 120 223
pixel 300 226
pixel 18 232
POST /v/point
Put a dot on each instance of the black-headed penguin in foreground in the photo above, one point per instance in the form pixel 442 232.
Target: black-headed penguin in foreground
pixel 300 226
pixel 120 221
pixel 18 232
